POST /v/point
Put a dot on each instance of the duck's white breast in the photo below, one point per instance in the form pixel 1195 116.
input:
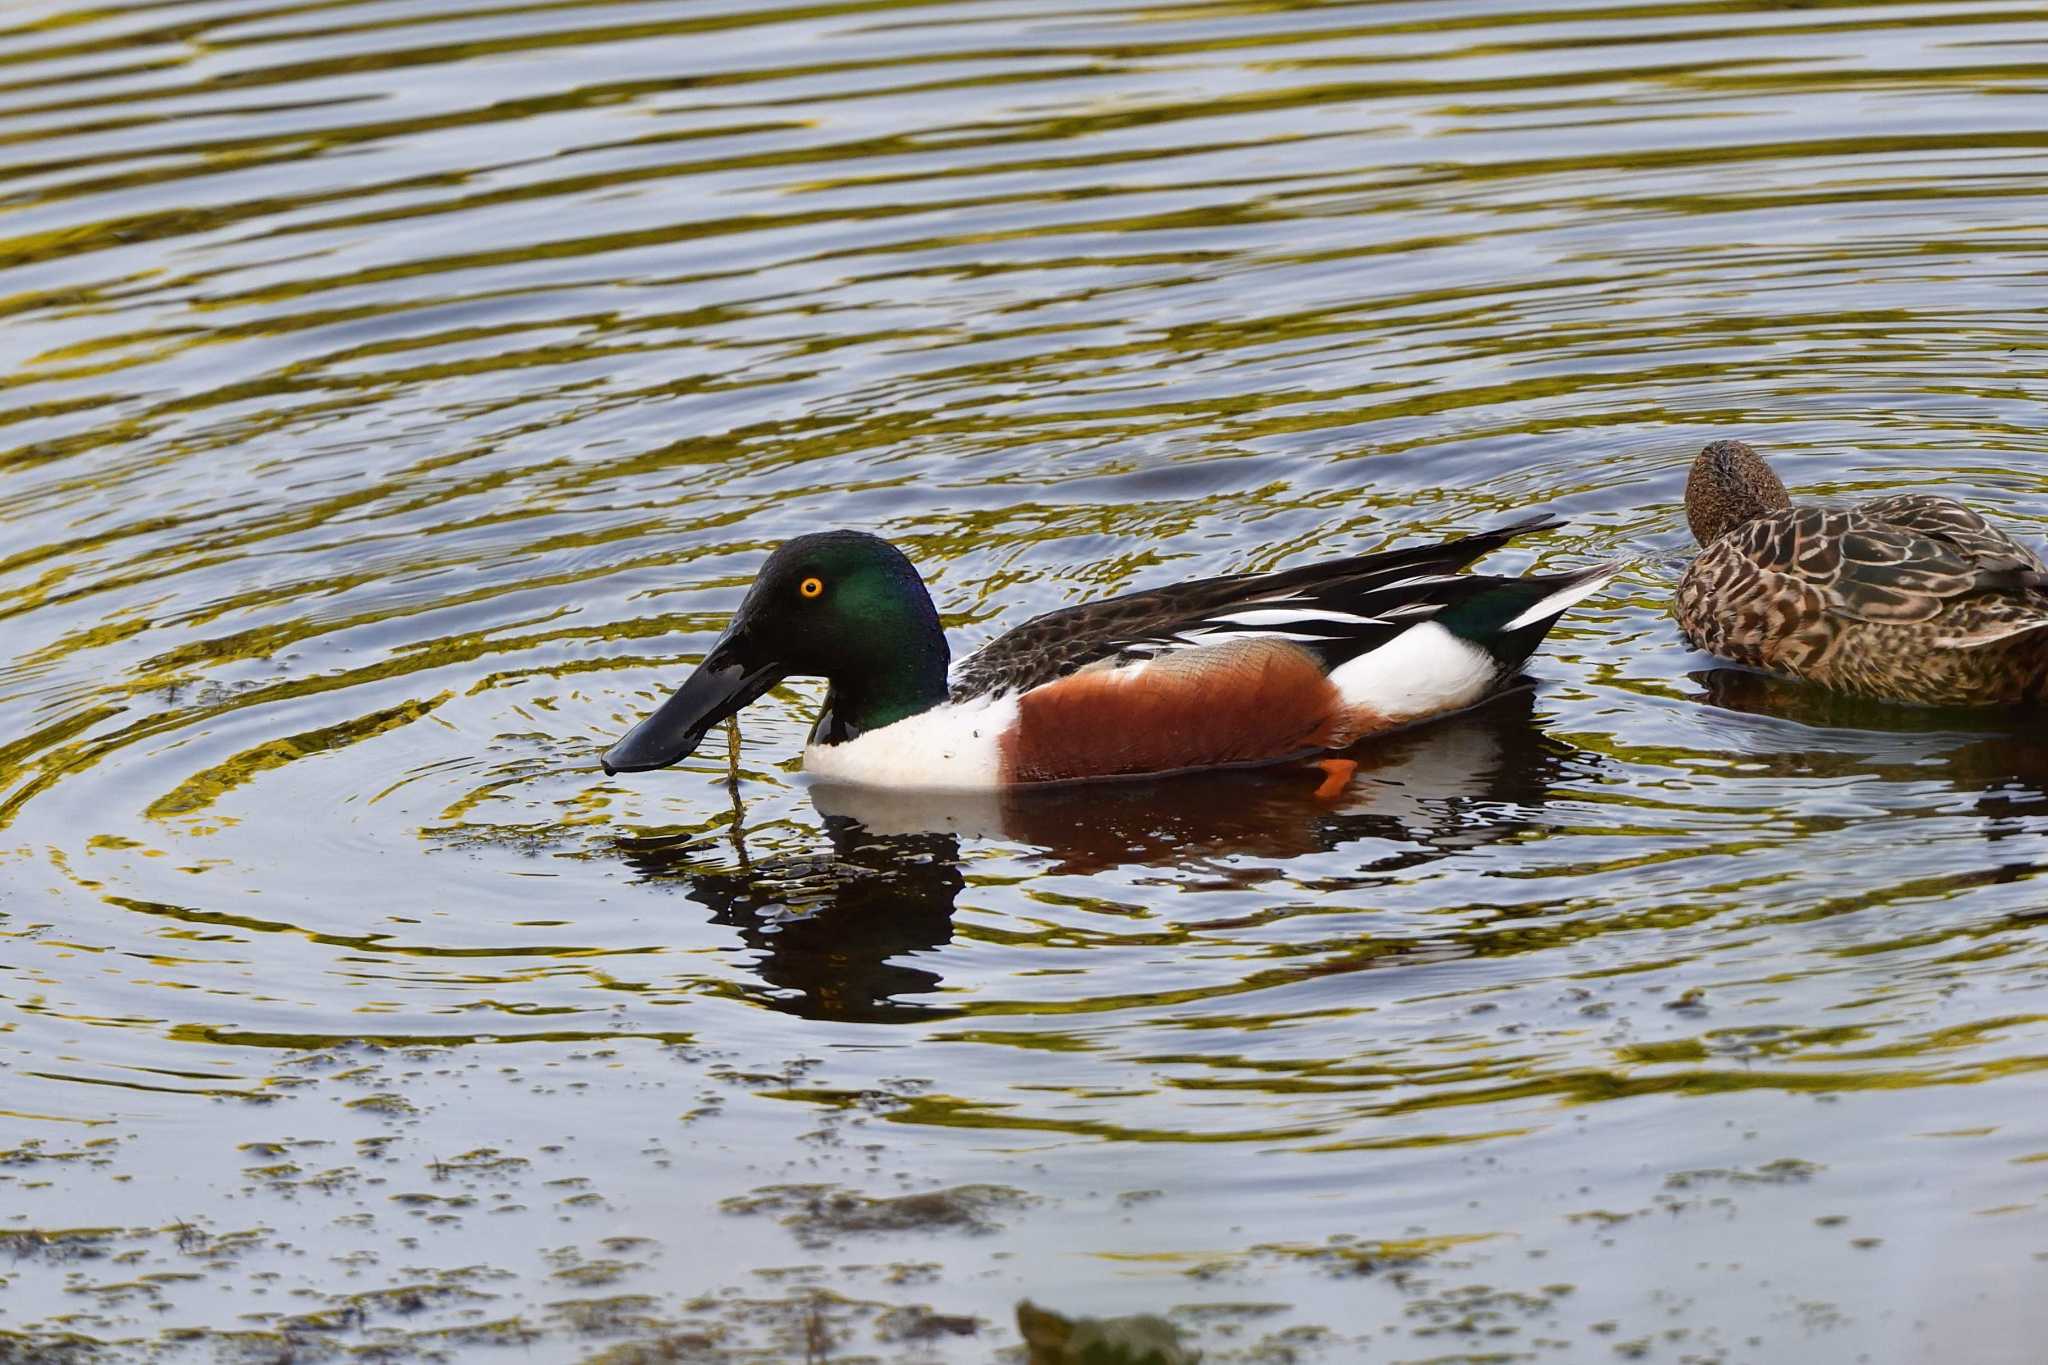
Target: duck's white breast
pixel 950 747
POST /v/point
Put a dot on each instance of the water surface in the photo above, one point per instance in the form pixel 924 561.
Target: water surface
pixel 398 397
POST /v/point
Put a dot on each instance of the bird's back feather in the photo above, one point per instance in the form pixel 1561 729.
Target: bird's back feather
pixel 1334 609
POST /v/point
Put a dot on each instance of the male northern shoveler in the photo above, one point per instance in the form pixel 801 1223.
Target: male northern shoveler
pixel 1912 597
pixel 1232 671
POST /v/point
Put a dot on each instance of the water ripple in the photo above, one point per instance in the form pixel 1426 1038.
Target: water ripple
pixel 396 399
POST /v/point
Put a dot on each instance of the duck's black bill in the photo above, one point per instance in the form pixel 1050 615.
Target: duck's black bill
pixel 724 683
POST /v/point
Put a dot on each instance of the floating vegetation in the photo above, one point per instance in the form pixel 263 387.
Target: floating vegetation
pixel 821 1215
pixel 1140 1339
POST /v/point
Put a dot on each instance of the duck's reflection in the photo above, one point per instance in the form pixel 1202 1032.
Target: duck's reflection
pixel 1971 747
pixel 837 934
pixel 841 935
pixel 1991 754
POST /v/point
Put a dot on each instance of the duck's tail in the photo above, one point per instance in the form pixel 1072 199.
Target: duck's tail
pixel 1463 651
pixel 1510 618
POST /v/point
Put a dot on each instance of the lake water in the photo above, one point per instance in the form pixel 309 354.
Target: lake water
pixel 398 396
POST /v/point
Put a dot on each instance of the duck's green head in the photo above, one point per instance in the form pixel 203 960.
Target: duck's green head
pixel 841 605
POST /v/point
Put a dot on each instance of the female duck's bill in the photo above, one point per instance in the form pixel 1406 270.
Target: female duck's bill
pixel 1232 671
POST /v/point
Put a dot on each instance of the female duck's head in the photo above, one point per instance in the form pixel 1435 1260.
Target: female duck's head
pixel 841 605
pixel 1730 484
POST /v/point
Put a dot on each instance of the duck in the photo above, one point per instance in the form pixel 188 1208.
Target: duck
pixel 1235 671
pixel 1911 597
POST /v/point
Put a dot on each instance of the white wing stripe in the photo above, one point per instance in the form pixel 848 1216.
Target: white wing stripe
pixel 1286 616
pixel 1206 638
pixel 1556 603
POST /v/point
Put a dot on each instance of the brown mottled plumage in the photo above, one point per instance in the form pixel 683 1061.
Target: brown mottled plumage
pixel 1912 597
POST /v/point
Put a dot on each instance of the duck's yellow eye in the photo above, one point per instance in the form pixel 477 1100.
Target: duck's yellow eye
pixel 811 587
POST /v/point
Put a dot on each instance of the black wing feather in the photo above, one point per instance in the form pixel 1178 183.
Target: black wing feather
pixel 1368 586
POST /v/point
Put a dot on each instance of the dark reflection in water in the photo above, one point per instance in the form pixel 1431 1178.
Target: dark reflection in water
pixel 833 930
pixel 1993 751
pixel 829 929
pixel 1741 689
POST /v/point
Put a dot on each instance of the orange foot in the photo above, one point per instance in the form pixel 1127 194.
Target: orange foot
pixel 1338 773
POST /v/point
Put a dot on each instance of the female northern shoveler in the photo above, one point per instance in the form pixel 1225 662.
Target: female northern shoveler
pixel 1912 597
pixel 1245 669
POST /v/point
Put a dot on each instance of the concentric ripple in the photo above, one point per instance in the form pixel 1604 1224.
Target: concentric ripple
pixel 397 397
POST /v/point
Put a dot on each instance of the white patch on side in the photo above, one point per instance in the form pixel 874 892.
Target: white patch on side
pixel 1557 602
pixel 1423 671
pixel 948 748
